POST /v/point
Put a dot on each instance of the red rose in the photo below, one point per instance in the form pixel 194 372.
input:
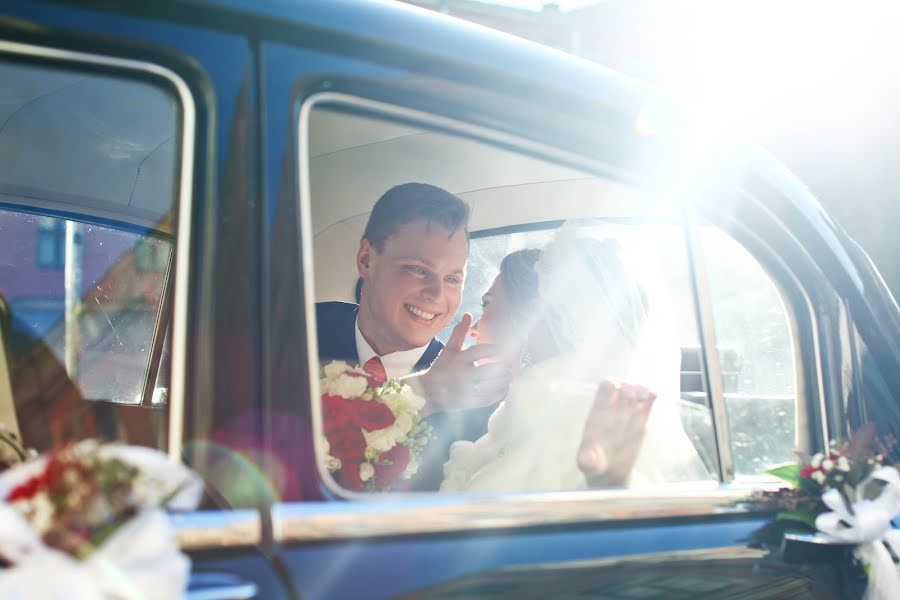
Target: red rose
pixel 394 462
pixel 806 471
pixel 348 477
pixel 347 444
pixel 371 415
pixel 335 413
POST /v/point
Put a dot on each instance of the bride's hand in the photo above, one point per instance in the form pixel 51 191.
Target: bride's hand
pixel 614 433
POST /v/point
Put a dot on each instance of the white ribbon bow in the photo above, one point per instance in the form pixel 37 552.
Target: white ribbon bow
pixel 869 526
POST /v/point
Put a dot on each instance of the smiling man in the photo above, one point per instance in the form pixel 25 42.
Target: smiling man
pixel 412 264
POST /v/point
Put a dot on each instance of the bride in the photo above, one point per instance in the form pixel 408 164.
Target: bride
pixel 578 317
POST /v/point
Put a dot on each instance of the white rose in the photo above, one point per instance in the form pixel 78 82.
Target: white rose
pixel 380 440
pixel 817 461
pixel 818 477
pixel 345 386
pixel 402 424
pixel 411 401
pixel 332 463
pixel 366 471
pixel 827 465
pixel 335 368
pixel 410 469
pixel 403 401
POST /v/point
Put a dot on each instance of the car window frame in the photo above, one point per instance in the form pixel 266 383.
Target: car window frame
pixel 175 291
pixel 299 521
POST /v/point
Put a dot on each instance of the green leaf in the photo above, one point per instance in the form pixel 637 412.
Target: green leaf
pixel 788 473
pixel 806 518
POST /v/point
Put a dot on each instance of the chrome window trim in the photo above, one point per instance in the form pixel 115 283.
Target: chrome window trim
pixel 208 530
pixel 183 197
pixel 703 306
pixel 425 119
pixel 304 522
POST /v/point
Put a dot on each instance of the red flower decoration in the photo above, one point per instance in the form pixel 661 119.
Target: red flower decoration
pixel 806 471
pixel 371 415
pixel 347 445
pixel 348 477
pixel 336 413
pixel 397 459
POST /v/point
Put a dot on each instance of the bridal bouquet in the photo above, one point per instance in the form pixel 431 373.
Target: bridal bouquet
pixel 844 497
pixel 91 516
pixel 373 433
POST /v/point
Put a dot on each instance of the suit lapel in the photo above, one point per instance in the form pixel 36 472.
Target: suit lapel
pixel 431 353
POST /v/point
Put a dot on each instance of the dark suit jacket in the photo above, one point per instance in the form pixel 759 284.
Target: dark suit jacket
pixel 336 327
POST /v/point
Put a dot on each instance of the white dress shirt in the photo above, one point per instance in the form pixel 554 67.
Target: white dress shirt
pixel 396 364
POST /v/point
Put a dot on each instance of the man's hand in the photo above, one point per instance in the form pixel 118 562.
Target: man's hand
pixel 461 379
pixel 614 433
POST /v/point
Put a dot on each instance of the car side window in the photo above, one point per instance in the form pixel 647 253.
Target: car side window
pixel 756 355
pixel 88 168
pixel 571 277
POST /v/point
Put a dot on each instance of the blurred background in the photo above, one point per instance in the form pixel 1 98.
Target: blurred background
pixel 813 82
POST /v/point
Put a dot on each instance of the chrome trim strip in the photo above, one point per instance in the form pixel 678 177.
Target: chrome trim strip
pixel 706 322
pixel 183 197
pixel 319 521
pixel 204 530
pixel 451 127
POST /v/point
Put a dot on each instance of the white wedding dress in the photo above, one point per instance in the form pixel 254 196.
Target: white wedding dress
pixel 534 435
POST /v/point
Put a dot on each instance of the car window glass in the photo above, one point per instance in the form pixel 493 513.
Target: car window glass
pixel 601 288
pixel 876 401
pixel 756 356
pixel 87 193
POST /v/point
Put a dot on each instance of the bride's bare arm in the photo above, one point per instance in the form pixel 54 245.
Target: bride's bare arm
pixel 614 433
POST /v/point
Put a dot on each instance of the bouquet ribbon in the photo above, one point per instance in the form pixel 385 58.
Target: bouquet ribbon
pixel 867 523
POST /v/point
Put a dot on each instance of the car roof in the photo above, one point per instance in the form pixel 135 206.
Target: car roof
pixel 429 36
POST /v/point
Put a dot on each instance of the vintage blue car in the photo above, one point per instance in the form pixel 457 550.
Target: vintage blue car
pixel 181 182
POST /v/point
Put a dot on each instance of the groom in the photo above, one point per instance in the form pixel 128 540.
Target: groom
pixel 412 264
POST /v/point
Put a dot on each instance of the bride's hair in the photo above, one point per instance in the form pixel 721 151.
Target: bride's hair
pixel 520 281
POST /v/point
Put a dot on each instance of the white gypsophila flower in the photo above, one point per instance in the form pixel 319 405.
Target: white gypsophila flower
pixel 366 471
pixel 827 465
pixel 380 440
pixel 345 386
pixel 817 460
pixel 403 400
pixel 332 463
pixel 843 464
pixel 818 477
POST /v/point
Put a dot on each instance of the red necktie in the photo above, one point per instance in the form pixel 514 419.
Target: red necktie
pixel 375 368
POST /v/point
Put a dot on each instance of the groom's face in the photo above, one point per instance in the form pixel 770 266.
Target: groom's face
pixel 413 287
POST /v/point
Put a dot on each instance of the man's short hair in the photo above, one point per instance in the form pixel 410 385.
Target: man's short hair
pixel 409 202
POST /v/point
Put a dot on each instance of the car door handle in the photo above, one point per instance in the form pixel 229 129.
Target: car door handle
pixel 219 586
